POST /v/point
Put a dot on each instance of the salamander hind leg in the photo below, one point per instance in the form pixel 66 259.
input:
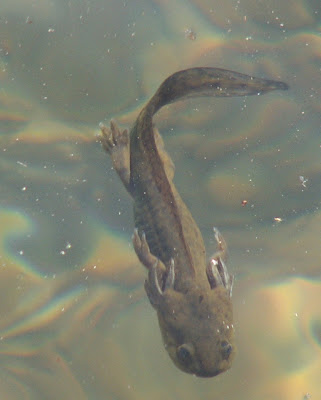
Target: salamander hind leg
pixel 216 270
pixel 116 143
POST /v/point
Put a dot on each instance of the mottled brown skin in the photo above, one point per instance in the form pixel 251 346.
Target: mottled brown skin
pixel 192 298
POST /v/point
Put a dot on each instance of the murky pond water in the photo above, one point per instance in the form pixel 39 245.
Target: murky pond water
pixel 74 319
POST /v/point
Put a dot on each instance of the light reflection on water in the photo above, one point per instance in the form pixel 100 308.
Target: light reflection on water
pixel 74 319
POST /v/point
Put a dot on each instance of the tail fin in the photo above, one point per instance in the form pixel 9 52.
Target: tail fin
pixel 216 82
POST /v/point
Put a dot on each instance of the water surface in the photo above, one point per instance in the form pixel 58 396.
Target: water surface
pixel 74 319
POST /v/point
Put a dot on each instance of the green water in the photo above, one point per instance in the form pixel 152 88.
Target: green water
pixel 75 322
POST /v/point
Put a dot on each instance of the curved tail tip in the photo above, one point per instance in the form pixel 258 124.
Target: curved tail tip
pixel 282 86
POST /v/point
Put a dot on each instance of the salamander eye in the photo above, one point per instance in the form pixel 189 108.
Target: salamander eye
pixel 185 353
pixel 226 349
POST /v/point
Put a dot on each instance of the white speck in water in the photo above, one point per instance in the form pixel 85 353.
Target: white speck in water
pixel 303 181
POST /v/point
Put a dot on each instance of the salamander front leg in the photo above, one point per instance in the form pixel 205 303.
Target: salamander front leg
pixel 217 273
pixel 116 143
pixel 160 278
pixel 142 250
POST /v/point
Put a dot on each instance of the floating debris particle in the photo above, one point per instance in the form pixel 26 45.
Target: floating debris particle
pixel 244 203
pixel 190 34
pixel 278 219
pixel 22 164
pixel 303 181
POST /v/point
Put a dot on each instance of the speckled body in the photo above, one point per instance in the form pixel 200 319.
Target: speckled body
pixel 192 297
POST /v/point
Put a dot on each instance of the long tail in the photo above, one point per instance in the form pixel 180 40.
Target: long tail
pixel 214 82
